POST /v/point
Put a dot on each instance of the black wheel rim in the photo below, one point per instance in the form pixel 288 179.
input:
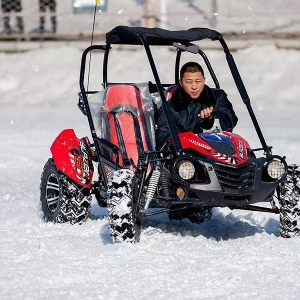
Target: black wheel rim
pixel 52 192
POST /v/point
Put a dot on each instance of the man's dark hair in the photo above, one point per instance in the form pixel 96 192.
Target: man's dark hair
pixel 191 67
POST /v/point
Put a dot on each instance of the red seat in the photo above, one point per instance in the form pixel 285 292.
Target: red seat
pixel 170 91
pixel 119 99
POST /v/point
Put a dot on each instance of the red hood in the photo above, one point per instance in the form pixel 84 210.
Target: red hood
pixel 237 156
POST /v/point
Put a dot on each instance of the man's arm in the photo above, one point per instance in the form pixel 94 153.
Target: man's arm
pixel 162 131
pixel 225 112
pixel 206 118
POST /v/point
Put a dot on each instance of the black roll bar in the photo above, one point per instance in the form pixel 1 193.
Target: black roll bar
pixel 105 61
pixel 210 69
pixel 242 90
pixel 177 63
pixel 167 112
pixel 86 104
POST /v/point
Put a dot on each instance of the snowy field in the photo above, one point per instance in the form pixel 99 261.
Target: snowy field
pixel 236 255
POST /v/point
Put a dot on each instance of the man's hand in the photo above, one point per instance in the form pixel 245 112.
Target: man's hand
pixel 206 113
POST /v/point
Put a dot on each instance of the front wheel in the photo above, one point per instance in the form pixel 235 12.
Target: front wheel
pixel 123 225
pixel 289 199
pixel 62 200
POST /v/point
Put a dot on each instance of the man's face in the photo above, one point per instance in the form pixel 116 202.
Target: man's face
pixel 193 84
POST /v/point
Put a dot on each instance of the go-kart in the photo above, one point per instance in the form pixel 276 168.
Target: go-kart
pixel 187 178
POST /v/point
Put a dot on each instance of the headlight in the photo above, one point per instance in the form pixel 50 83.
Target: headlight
pixel 275 169
pixel 186 170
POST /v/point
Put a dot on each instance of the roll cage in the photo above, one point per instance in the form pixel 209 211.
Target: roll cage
pixel 182 41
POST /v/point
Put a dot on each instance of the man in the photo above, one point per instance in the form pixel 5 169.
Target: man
pixel 194 105
pixel 51 4
pixel 7 7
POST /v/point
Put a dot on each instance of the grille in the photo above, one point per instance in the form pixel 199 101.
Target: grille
pixel 235 177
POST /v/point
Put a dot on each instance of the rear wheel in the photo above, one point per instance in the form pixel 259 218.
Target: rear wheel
pixel 120 204
pixel 289 198
pixel 62 200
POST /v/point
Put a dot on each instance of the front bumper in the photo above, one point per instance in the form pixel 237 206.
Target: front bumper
pixel 230 185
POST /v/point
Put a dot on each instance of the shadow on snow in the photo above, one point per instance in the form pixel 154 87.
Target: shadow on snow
pixel 219 227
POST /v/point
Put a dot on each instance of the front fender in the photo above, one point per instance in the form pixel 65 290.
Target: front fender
pixel 72 156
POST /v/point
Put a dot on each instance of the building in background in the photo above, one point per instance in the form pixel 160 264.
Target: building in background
pixel 9 6
pixel 75 17
pixel 45 5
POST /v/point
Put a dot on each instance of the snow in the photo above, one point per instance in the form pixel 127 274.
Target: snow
pixel 236 255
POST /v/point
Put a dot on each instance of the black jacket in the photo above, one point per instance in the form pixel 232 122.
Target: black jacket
pixel 185 112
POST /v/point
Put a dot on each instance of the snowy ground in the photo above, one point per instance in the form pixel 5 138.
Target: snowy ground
pixel 236 255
